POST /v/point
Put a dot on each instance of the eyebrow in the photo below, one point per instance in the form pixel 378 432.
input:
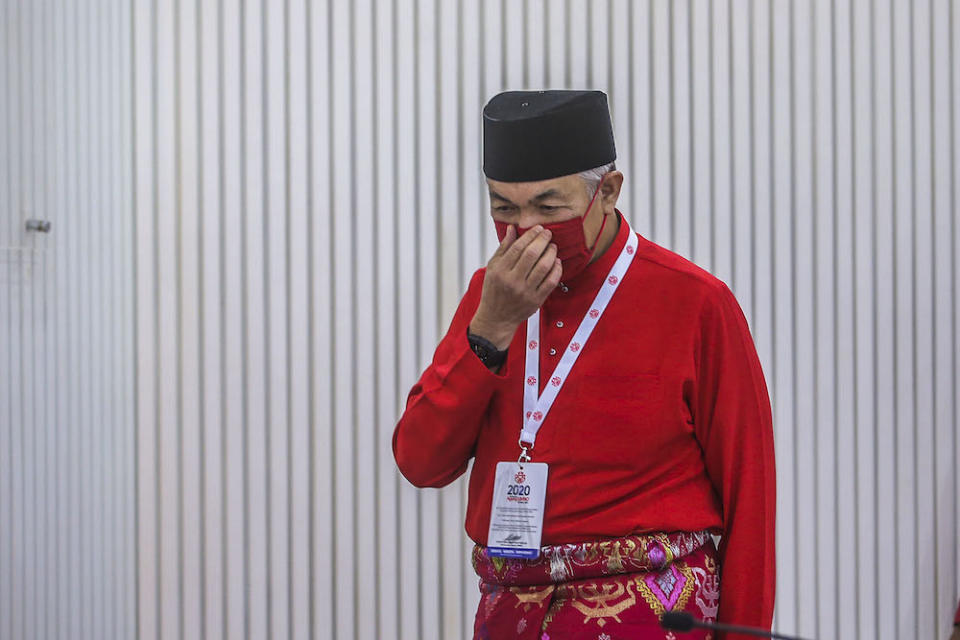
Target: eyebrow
pixel 549 193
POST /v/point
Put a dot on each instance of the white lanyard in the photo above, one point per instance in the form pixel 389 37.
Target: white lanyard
pixel 535 408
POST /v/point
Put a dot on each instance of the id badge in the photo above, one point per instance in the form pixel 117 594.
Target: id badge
pixel 516 515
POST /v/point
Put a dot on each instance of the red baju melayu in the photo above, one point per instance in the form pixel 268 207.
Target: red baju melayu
pixel 663 426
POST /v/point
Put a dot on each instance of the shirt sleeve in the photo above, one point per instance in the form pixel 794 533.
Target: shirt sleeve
pixel 733 423
pixel 436 435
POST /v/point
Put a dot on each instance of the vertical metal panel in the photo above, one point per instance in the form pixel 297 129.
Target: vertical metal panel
pixel 297 257
pixel 904 330
pixel 780 371
pixel 363 277
pixel 54 153
pixel 943 336
pixel 924 323
pixel 409 548
pixel 824 345
pixel 232 546
pixel 384 233
pixel 99 408
pixel 863 264
pixel 211 584
pixel 256 356
pixel 884 591
pixel 310 207
pixel 6 271
pixel 802 275
pixel 700 88
pixel 8 302
pixel 736 244
pixel 343 376
pixel 426 180
pixel 190 428
pixel 474 230
pixel 954 84
pixel 168 220
pixel 276 230
pixel 34 323
pixel 66 325
pixel 129 390
pixel 15 320
pixel 682 102
pixel 661 120
pixel 639 154
pixel 449 547
pixel 843 245
pixel 320 342
pixel 28 183
pixel 144 195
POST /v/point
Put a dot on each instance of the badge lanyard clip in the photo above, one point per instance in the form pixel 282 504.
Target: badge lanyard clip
pixel 524 456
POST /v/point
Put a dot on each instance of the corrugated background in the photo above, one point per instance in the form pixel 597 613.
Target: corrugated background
pixel 67 359
pixel 296 188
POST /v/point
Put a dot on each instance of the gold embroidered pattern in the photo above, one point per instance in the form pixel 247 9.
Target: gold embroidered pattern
pixel 604 600
pixel 528 597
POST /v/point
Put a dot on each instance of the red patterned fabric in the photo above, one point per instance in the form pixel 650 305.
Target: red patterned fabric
pixel 609 590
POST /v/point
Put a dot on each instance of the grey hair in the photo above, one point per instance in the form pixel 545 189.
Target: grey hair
pixel 591 177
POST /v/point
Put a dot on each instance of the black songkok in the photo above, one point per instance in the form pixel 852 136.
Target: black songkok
pixel 538 135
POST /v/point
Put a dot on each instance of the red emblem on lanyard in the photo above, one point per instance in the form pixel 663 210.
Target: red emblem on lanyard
pixel 531 381
pixel 537 416
pixel 532 345
pixel 575 347
pixel 629 249
pixel 555 381
pixel 594 313
pixel 613 279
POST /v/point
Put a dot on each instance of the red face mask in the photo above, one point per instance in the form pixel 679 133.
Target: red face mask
pixel 568 235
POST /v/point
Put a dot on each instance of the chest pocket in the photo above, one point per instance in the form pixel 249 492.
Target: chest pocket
pixel 617 418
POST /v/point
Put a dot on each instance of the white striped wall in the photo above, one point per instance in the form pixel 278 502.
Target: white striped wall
pixel 67 389
pixel 309 205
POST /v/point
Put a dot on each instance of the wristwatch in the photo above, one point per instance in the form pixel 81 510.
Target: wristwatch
pixel 488 353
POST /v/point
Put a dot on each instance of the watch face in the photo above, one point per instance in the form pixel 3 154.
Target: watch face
pixel 487 353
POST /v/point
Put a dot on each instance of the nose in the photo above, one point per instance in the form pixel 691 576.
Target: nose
pixel 530 217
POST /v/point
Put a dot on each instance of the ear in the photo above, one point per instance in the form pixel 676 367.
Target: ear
pixel 610 191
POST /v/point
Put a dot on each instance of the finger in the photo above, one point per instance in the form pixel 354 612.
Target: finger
pixel 530 255
pixel 542 267
pixel 552 280
pixel 508 239
pixel 515 250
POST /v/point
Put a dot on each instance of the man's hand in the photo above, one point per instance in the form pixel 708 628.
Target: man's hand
pixel 519 277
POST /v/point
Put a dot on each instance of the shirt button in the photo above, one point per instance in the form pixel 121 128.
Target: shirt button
pixel 553 352
pixel 559 324
pixel 564 287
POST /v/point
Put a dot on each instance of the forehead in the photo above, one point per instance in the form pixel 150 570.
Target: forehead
pixel 566 187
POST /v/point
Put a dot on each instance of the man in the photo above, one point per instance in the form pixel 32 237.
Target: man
pixel 611 397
